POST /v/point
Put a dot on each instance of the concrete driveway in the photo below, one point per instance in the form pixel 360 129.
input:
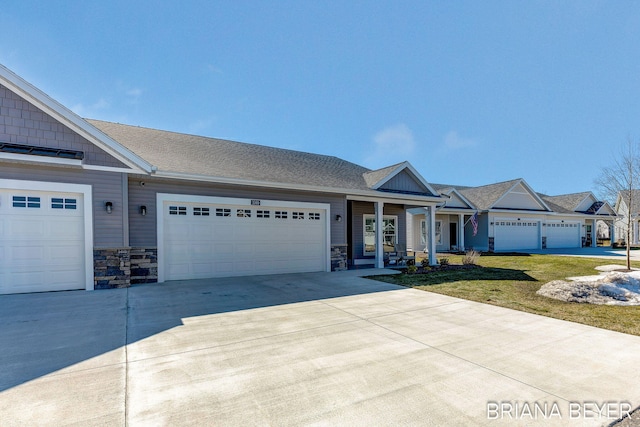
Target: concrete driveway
pixel 325 348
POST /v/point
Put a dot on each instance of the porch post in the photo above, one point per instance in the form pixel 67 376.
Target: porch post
pixel 594 234
pixel 461 232
pixel 612 232
pixel 379 206
pixel 431 238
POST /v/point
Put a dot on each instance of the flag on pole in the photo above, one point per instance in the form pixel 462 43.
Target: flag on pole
pixel 474 223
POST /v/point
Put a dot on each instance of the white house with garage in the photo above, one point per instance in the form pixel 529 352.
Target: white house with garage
pixel 88 204
pixel 509 216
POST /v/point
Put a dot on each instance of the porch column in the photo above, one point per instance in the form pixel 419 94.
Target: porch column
pixel 461 232
pixel 594 234
pixel 612 232
pixel 431 237
pixel 379 206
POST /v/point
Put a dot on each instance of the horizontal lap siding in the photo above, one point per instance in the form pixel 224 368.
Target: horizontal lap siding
pixel 107 186
pixel 359 209
pixel 143 228
pixel 23 123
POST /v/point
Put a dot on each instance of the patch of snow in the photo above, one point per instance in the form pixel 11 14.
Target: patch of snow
pixel 610 287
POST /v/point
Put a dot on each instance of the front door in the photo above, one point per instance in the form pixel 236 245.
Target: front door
pixel 453 235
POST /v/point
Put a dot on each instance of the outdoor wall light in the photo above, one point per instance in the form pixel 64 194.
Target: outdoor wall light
pixel 143 210
pixel 109 207
pixel 339 218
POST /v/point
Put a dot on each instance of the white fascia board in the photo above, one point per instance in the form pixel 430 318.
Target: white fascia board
pixel 349 192
pixel 61 113
pixel 464 199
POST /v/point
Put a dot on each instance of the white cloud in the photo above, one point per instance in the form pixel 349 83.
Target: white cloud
pixel 391 145
pixel 90 110
pixel 453 141
pixel 213 69
pixel 133 95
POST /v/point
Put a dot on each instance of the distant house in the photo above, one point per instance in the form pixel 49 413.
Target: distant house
pixel 624 212
pixel 511 216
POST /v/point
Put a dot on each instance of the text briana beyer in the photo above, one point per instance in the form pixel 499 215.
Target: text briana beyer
pixel 610 410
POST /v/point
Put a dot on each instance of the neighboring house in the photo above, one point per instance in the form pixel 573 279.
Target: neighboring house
pixel 510 217
pixel 623 211
pixel 89 204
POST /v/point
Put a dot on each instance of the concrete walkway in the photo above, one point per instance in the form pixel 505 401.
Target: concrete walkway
pixel 305 349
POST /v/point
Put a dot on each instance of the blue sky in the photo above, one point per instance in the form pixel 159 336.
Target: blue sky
pixel 470 92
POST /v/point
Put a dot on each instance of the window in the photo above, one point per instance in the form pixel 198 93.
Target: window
pixel 438 232
pixel 243 213
pixel 389 233
pixel 263 214
pixel 197 211
pixel 297 215
pixel 223 212
pixel 26 202
pixel 60 203
pixel 281 214
pixel 314 216
pixel 177 210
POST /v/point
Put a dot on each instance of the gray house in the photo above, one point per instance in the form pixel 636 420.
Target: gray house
pixel 89 204
pixel 510 216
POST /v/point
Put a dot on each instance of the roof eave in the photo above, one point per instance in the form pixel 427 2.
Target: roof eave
pixel 298 187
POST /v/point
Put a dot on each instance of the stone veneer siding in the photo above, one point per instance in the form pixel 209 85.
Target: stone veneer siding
pixel 338 257
pixel 123 267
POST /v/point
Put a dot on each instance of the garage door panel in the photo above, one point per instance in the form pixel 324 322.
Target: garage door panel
pixel 516 235
pixel 563 235
pixel 25 228
pixel 267 241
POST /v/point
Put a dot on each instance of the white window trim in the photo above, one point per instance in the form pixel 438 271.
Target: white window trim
pixel 364 230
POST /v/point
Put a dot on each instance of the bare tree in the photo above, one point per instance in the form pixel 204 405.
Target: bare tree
pixel 622 179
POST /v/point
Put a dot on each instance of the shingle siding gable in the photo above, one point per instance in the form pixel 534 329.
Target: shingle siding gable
pixel 23 123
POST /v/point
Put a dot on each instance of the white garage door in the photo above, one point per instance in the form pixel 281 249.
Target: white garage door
pixel 215 239
pixel 563 234
pixel 516 235
pixel 42 242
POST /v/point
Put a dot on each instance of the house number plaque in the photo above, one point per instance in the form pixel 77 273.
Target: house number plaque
pixel 255 202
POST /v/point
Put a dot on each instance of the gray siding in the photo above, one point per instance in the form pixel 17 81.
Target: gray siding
pixel 23 123
pixel 358 210
pixel 107 186
pixel 403 182
pixel 142 231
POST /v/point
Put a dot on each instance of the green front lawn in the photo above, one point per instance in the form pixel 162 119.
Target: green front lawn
pixel 512 281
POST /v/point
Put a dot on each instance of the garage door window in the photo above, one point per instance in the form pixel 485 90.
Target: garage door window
pixel 282 214
pixel 198 211
pixel 314 216
pixel 223 212
pixel 60 203
pixel 243 213
pixel 177 210
pixel 26 202
pixel 297 215
pixel 263 214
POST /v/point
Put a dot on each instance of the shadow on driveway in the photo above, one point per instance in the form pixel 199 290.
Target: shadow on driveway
pixel 45 332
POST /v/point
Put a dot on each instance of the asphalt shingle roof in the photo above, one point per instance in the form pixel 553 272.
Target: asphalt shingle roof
pixel 565 203
pixel 198 155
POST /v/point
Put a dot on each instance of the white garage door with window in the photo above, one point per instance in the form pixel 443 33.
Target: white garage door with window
pixel 44 244
pixel 513 235
pixel 202 237
pixel 561 234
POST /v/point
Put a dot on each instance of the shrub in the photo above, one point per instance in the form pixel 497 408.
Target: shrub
pixel 471 257
pixel 425 262
pixel 412 269
pixel 443 261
